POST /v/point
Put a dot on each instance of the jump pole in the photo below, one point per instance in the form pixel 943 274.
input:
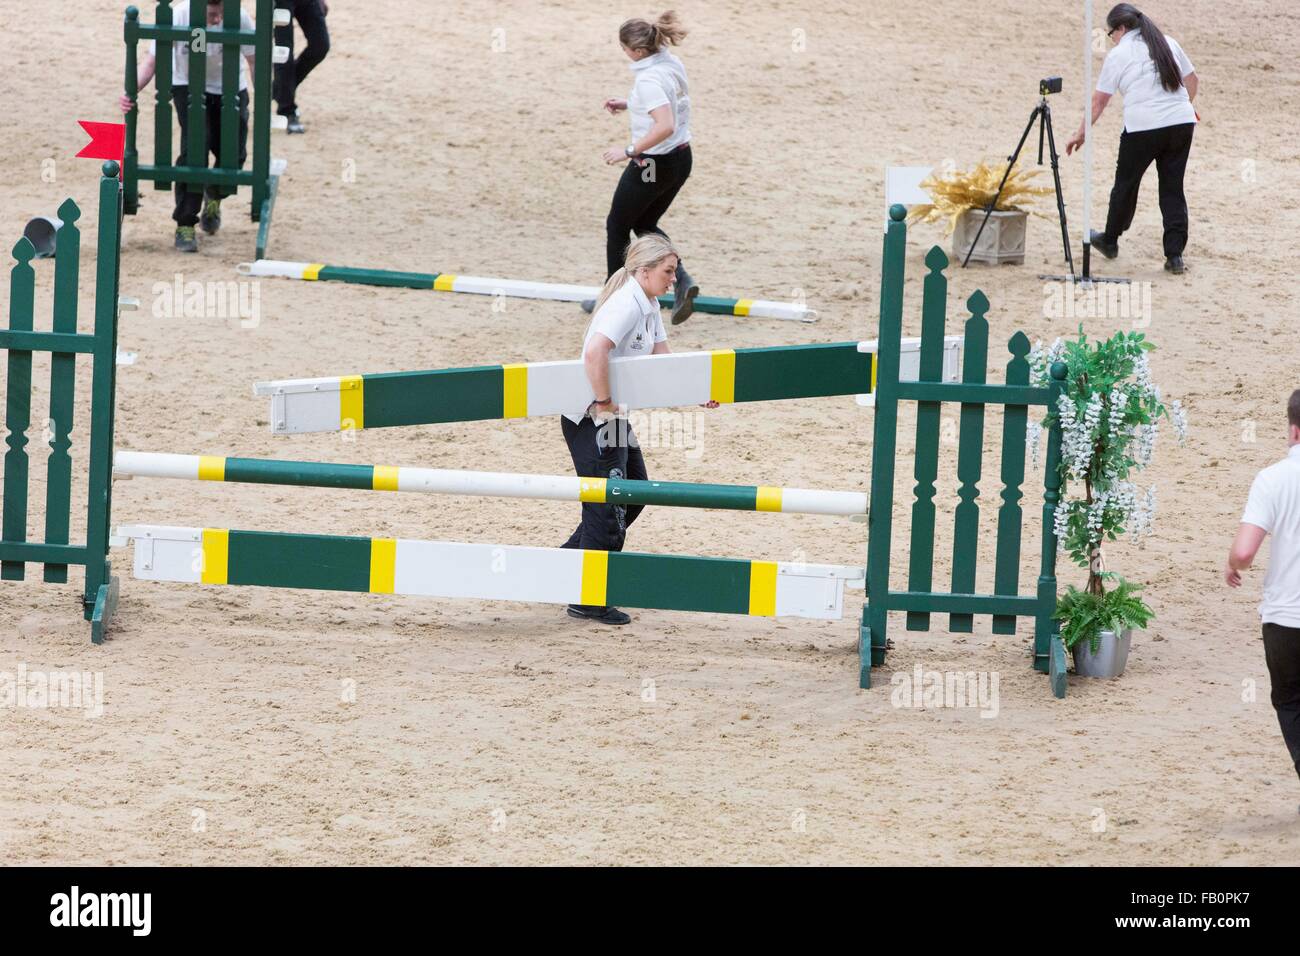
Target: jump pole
pixel 492 572
pixel 435 481
pixel 511 288
pixel 678 379
pixel 1086 273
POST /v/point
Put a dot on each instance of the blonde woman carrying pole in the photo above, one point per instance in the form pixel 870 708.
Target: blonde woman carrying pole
pixel 625 322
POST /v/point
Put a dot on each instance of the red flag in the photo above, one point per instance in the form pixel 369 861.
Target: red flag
pixel 107 140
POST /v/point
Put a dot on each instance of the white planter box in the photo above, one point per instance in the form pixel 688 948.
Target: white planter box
pixel 1003 239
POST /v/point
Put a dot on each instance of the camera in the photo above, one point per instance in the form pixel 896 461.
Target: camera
pixel 1051 84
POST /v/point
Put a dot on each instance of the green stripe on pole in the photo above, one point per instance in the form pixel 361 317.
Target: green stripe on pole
pixel 311 473
pixel 383 277
pixel 802 371
pixel 681 494
pixel 316 561
pixel 672 583
pixel 705 303
pixel 447 395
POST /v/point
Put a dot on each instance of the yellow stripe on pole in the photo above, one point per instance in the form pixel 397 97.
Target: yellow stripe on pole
pixel 352 403
pixel 762 588
pixel 384 478
pixel 742 306
pixel 383 565
pixel 445 283
pixel 595 578
pixel 215 557
pixel 312 271
pixel 592 489
pixel 514 399
pixel 212 468
pixel 722 382
pixel 873 371
pixel 768 498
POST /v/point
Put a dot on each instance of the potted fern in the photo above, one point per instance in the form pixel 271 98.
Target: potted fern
pixel 1109 414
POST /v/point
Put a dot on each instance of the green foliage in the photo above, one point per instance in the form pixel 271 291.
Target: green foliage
pixel 1084 615
pixel 1109 416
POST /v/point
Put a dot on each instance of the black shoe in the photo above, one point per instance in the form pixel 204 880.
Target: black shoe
pixel 684 292
pixel 1108 249
pixel 605 615
pixel 210 218
pixel 1175 265
pixel 588 305
pixel 186 240
pixel 295 123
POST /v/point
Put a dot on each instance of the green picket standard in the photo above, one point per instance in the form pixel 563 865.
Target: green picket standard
pixel 64 343
pixel 197 174
pixel 973 394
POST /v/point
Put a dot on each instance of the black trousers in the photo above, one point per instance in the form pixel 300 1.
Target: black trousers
pixel 1168 147
pixel 289 75
pixel 189 204
pixel 1282 654
pixel 642 196
pixel 603 451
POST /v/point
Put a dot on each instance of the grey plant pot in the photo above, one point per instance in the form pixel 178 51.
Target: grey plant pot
pixel 1003 239
pixel 1111 656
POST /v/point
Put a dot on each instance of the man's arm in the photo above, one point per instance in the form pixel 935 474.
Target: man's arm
pixel 144 72
pixel 1242 553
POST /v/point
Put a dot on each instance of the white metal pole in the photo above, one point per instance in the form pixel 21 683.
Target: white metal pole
pixel 1087 137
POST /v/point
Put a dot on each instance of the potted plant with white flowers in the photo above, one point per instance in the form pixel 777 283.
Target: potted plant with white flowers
pixel 1110 415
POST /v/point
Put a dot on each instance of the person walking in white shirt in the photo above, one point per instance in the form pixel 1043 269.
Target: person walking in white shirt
pixel 659 153
pixel 1158 83
pixel 1274 508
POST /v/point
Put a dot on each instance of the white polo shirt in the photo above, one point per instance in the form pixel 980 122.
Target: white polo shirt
pixel 660 80
pixel 632 322
pixel 181 54
pixel 1274 505
pixel 1130 71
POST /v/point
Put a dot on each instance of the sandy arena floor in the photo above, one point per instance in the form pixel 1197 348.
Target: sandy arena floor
pixel 253 727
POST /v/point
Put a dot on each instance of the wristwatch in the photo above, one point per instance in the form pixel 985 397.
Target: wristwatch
pixel 629 151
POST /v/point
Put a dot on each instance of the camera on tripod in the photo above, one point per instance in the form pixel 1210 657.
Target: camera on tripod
pixel 1042 116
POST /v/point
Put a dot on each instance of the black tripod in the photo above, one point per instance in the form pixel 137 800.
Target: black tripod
pixel 1042 114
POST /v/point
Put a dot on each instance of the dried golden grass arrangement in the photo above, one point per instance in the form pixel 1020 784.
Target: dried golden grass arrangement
pixel 959 191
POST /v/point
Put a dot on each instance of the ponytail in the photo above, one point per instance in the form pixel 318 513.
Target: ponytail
pixel 638 34
pixel 645 252
pixel 1131 18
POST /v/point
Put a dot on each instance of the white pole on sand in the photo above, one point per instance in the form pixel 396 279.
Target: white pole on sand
pixel 1086 275
pixel 1087 139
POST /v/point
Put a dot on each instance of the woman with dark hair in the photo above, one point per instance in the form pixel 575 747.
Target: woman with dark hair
pixel 1158 83
pixel 659 151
